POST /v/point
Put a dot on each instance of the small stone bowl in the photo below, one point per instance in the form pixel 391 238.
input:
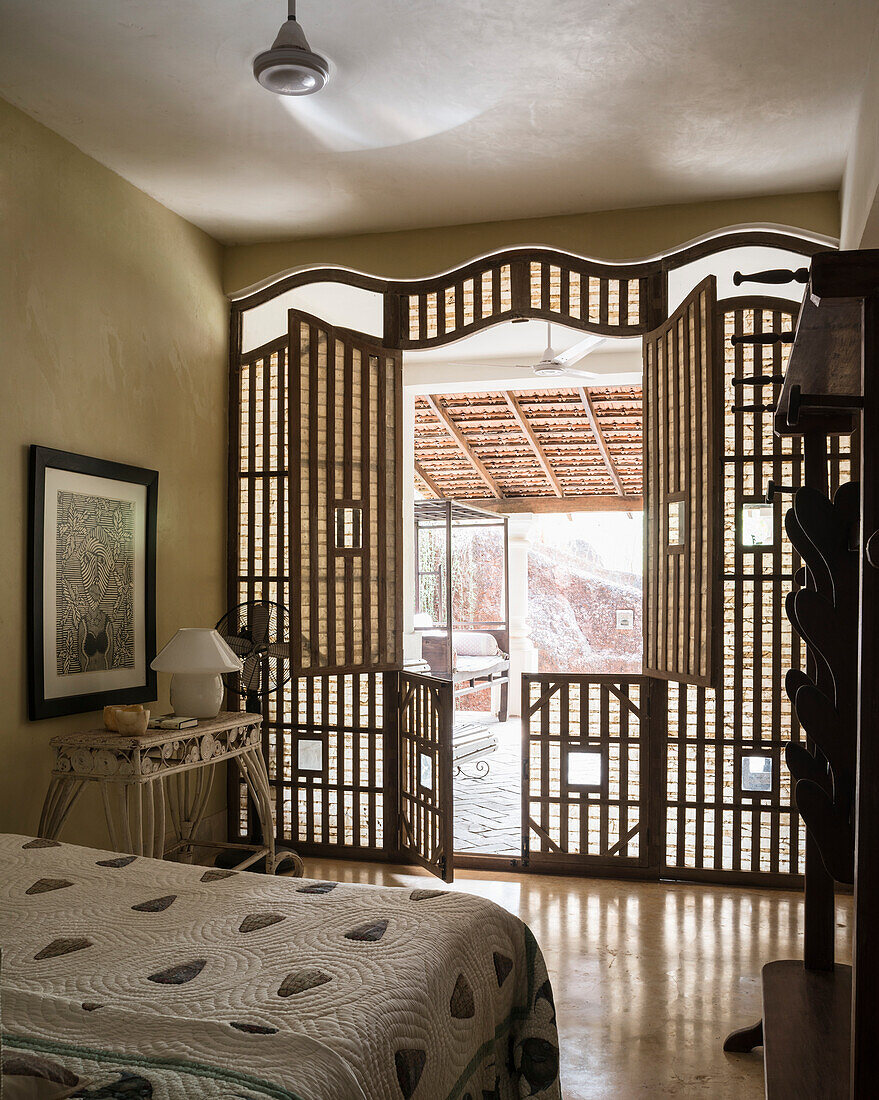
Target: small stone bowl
pixel 132 722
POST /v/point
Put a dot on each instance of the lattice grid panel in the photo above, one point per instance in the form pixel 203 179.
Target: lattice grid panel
pixel 426 819
pixel 680 404
pixel 542 283
pixel 326 761
pixel 326 409
pixel 585 776
pixel 712 821
pixel 316 510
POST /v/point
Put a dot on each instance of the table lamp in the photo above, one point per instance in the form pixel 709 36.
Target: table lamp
pixel 196 656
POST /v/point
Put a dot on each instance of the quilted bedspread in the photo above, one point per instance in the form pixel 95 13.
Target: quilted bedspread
pixel 158 979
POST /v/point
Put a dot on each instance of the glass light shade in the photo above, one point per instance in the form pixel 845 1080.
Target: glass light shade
pixel 287 76
pixel 291 67
pixel 196 649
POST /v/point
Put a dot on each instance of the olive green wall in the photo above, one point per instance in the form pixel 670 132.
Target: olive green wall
pixel 606 235
pixel 113 330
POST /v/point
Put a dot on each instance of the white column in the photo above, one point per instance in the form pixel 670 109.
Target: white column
pixel 523 652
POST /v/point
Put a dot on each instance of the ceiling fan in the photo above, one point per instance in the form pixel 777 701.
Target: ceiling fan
pixel 290 66
pixel 552 364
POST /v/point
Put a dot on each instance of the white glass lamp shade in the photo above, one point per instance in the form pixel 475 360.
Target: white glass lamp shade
pixel 196 649
pixel 196 656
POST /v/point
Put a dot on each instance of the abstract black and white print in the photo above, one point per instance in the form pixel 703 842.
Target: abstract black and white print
pixel 94 608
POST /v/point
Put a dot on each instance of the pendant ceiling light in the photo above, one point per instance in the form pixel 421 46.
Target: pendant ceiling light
pixel 291 67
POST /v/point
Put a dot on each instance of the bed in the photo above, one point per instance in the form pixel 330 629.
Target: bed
pixel 201 982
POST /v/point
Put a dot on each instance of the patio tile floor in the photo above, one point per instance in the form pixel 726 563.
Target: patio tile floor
pixel 488 809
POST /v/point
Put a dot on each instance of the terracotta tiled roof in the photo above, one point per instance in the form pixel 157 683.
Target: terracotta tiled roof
pixel 559 420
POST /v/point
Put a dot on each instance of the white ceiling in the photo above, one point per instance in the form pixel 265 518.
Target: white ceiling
pixel 445 111
pixel 500 358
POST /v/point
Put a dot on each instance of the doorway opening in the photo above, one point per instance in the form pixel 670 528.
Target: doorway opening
pixel 561 466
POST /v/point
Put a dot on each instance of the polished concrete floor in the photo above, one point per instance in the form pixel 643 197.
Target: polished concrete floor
pixel 648 978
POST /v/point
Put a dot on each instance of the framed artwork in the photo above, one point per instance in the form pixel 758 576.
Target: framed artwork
pixel 91 583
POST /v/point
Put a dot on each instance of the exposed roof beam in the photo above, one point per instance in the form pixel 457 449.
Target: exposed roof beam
pixel 463 445
pixel 428 481
pixel 601 441
pixel 522 420
pixel 562 504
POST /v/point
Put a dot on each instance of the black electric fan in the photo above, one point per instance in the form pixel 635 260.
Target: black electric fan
pixel 258 631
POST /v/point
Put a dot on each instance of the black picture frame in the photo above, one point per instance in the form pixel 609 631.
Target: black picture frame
pixel 48 696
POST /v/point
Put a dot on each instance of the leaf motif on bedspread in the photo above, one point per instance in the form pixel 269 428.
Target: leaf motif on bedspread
pixel 538 1063
pixel 254 1029
pixel 34 1073
pixel 215 874
pixel 300 981
pixel 44 885
pixel 369 932
pixel 317 888
pixel 179 974
pixel 410 1066
pixel 64 946
pixel 461 1004
pixel 425 895
pixel 155 905
pixel 41 842
pixel 254 921
pixel 545 993
pixel 120 861
pixel 502 967
pixel 130 1086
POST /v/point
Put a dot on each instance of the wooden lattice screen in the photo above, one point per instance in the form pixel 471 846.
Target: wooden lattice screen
pixel 585 770
pixel 426 818
pixel 315 502
pixel 729 810
pixel 681 506
pixel 329 763
pixel 614 300
pixel 314 524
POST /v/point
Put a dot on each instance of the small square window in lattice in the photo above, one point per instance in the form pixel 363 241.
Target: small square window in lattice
pixel 311 755
pixel 757 526
pixel 425 770
pixel 584 769
pixel 756 775
pixel 676 521
pixel 349 527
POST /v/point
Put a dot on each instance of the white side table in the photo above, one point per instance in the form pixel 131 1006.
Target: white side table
pixel 142 776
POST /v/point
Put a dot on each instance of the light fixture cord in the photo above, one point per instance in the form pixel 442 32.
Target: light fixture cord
pixel 291 10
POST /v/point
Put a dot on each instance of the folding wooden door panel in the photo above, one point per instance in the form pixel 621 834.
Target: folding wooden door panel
pixel 586 768
pixel 344 446
pixel 682 503
pixel 426 809
pixel 315 520
pixel 729 807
